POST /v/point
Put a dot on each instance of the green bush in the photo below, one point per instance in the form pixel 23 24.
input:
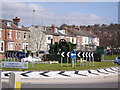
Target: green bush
pixel 56 57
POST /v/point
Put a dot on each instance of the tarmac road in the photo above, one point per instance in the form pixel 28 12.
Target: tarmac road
pixel 84 85
pixel 95 82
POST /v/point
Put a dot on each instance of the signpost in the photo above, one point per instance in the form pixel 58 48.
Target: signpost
pixel 68 55
pixel 23 65
pixel 81 60
pixel 84 56
pixel 89 55
pixel 62 54
pixel 92 55
pixel 79 54
pixel 73 56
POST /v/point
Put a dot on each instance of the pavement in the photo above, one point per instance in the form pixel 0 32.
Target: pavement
pixel 64 74
pixel 98 78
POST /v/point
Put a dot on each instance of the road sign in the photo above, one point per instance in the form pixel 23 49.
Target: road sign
pixel 83 54
pixel 6 55
pixel 13 55
pixel 73 54
pixel 15 65
pixel 86 54
pixel 92 55
pixel 62 54
pixel 79 54
pixel 68 54
pixel 16 55
pixel 89 54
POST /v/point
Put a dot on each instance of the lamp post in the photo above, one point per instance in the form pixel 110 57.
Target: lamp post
pixel 33 15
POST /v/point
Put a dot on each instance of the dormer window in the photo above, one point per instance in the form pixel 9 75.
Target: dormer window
pixel 8 23
pixel 19 25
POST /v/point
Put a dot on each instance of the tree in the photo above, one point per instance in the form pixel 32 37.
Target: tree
pixel 64 26
pixel 37 39
pixel 62 46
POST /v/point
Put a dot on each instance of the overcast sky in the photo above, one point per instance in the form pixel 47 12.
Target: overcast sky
pixel 47 13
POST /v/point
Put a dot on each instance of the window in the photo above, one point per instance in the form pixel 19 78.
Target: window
pixel 1 46
pixel 8 23
pixel 25 46
pixel 49 38
pixel 72 40
pixel 90 40
pixel 16 35
pixel 25 36
pixel 19 35
pixel 0 33
pixel 11 46
pixel 85 40
pixel 10 34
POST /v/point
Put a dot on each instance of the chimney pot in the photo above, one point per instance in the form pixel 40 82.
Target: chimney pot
pixel 16 19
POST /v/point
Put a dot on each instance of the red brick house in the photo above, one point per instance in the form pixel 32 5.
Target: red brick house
pixel 13 36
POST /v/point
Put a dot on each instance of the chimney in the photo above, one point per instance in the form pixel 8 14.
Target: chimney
pixel 54 29
pixel 16 20
pixel 77 27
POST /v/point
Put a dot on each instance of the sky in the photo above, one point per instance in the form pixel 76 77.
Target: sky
pixel 58 13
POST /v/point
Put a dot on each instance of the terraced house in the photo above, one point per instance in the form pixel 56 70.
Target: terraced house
pixel 13 36
pixel 84 40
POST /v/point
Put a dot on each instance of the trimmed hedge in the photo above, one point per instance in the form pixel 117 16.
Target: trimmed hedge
pixel 56 57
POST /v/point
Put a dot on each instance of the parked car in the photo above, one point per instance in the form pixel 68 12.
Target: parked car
pixel 117 60
pixel 31 59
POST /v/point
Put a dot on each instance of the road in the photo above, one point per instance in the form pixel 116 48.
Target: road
pixel 84 85
pixel 94 82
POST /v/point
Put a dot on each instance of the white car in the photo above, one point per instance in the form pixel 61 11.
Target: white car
pixel 117 60
pixel 30 59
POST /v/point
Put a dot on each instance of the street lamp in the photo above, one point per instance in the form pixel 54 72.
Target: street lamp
pixel 33 15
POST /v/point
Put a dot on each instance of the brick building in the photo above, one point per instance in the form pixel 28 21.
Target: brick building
pixel 13 36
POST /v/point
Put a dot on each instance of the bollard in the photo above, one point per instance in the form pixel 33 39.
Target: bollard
pixel 15 81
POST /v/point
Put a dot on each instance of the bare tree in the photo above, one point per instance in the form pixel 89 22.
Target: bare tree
pixel 37 39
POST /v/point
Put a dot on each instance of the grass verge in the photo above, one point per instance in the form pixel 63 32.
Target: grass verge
pixel 110 57
pixel 55 67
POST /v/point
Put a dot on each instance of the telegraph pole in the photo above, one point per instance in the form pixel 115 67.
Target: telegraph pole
pixel 33 16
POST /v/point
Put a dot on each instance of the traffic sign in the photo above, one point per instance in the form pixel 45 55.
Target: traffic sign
pixel 86 54
pixel 89 54
pixel 79 54
pixel 68 54
pixel 62 54
pixel 73 54
pixel 83 54
pixel 92 54
pixel 13 55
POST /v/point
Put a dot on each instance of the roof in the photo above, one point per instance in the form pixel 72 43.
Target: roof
pixel 49 32
pixel 13 26
pixel 82 33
